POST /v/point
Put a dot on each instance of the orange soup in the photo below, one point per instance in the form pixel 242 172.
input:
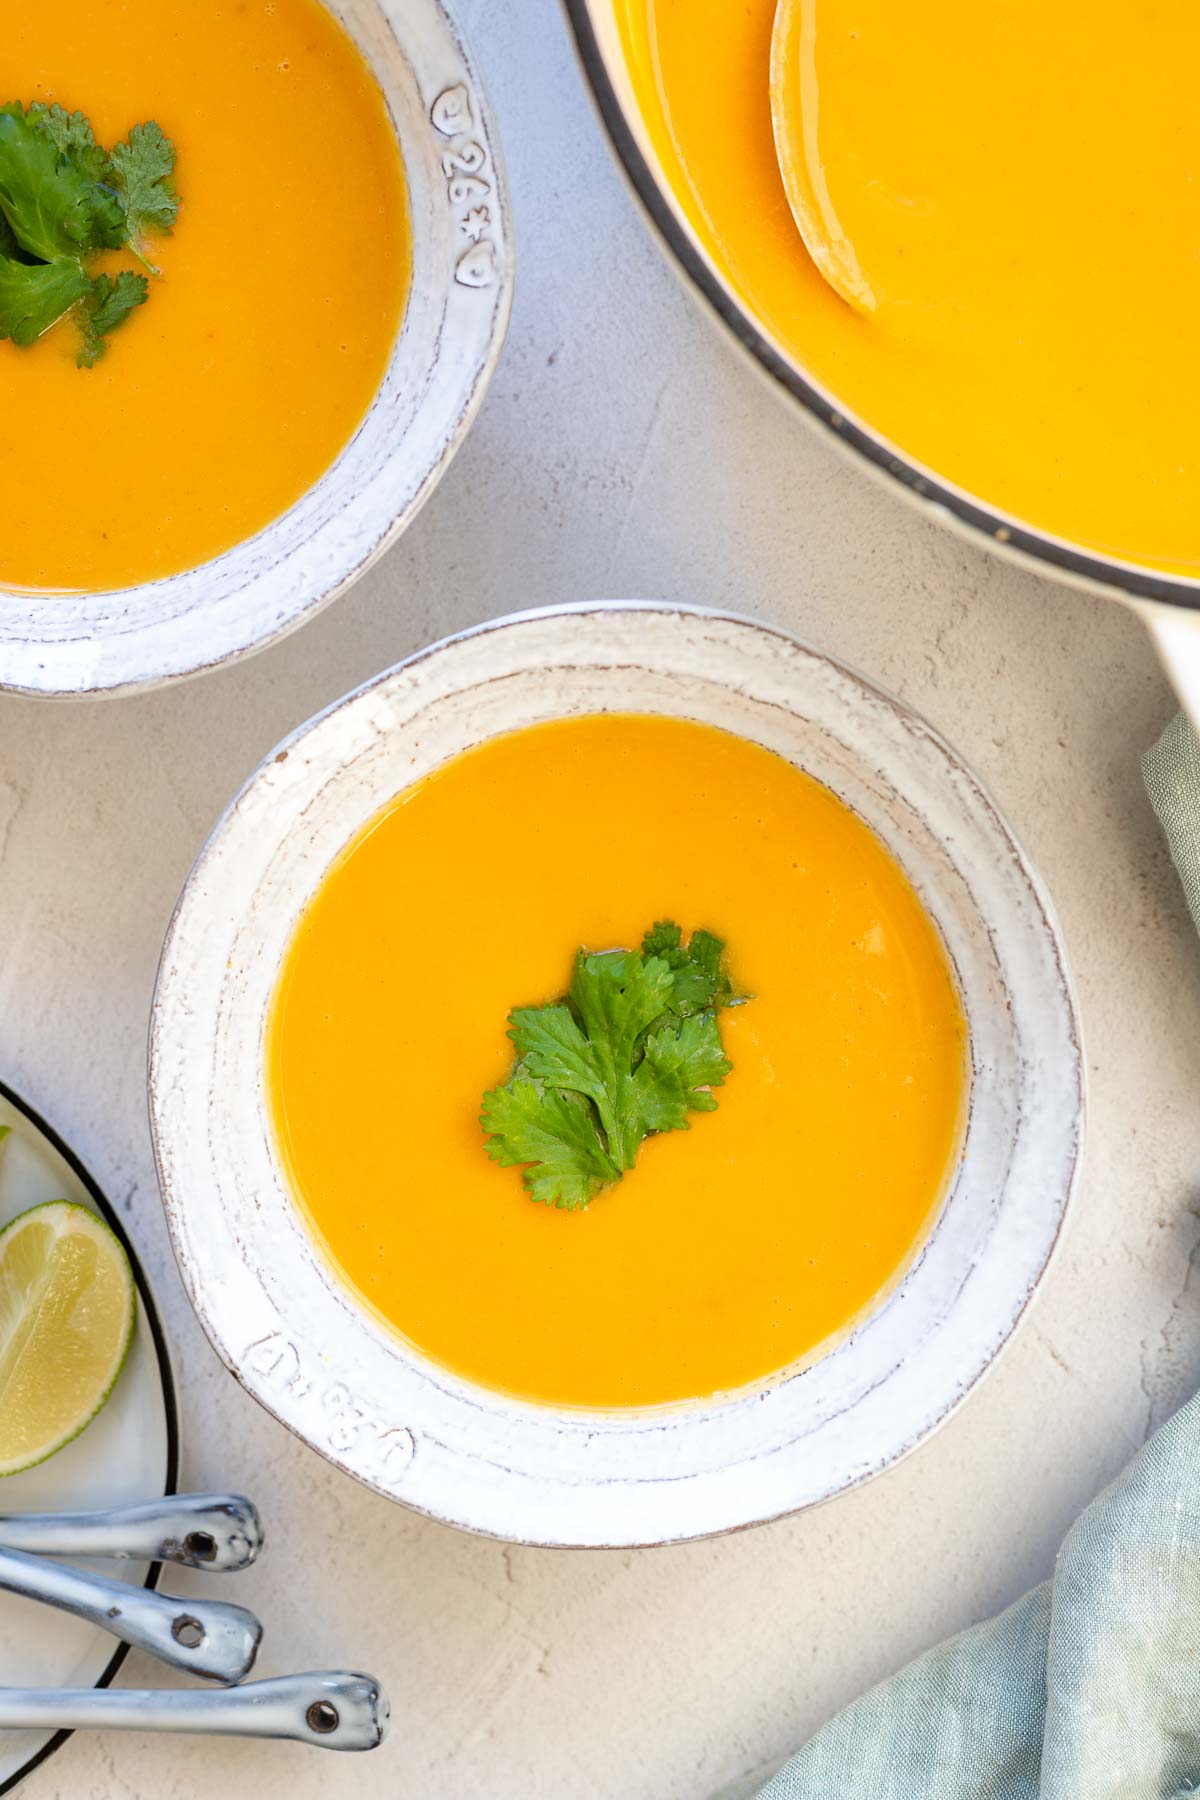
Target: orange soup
pixel 1019 186
pixel 233 389
pixel 732 1249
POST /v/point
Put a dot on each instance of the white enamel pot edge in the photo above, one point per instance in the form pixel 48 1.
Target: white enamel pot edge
pixel 298 1341
pixel 1169 604
pixel 1177 637
pixel 96 645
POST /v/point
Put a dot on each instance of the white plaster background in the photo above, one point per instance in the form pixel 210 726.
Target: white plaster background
pixel 626 450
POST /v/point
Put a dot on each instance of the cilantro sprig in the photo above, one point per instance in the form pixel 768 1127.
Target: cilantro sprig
pixel 633 1049
pixel 65 200
pixel 140 170
pixel 109 304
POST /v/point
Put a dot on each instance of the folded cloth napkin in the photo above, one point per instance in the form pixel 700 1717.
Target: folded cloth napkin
pixel 1172 771
pixel 1089 1687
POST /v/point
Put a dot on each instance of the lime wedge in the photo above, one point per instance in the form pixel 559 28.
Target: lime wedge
pixel 67 1308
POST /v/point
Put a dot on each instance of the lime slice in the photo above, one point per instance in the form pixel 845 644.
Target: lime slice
pixel 67 1308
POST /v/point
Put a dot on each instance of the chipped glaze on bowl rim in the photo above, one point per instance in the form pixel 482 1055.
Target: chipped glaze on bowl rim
pixel 295 1336
pixel 81 645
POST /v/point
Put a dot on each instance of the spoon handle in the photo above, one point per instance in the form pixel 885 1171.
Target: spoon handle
pixel 330 1710
pixel 220 1532
pixel 203 1637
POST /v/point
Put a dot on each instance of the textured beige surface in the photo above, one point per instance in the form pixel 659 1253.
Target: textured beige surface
pixel 626 450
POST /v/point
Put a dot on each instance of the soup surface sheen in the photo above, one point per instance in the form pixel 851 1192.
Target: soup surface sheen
pixel 261 347
pixel 731 1249
pixel 1019 184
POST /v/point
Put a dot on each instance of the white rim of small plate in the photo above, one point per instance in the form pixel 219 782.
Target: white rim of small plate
pixel 41 1129
pixel 297 1339
pixel 98 645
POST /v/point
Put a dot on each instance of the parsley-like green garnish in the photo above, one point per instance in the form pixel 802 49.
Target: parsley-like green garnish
pixel 65 200
pixel 633 1049
pixel 108 305
pixel 34 295
pixel 140 171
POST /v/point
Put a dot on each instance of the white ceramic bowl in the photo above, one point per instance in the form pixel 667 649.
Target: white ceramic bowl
pixel 458 306
pixel 298 1340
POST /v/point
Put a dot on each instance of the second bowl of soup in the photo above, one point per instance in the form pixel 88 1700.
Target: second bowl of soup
pixel 260 303
pixel 642 1085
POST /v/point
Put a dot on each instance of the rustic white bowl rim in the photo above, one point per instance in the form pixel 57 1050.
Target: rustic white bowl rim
pixel 300 1343
pixel 102 644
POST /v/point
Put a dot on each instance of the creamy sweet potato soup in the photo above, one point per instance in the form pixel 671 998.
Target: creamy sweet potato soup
pixel 281 289
pixel 1019 186
pixel 806 1178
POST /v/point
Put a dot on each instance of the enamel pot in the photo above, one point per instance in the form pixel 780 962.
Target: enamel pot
pixel 1169 604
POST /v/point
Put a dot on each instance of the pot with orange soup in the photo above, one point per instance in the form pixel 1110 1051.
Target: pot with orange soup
pixel 642 1081
pixel 962 240
pixel 319 326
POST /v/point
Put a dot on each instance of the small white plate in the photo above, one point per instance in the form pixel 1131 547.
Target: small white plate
pixel 131 1452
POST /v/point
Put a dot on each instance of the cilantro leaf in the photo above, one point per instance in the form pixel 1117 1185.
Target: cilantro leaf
pixel 8 243
pixel 64 199
pixel 664 939
pixel 633 1050
pixel 699 975
pixel 54 205
pixel 554 1134
pixel 679 1070
pixel 109 304
pixel 33 296
pixel 140 170
pixel 72 137
pixel 617 996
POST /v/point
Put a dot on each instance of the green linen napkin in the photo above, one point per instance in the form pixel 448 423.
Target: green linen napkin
pixel 1172 771
pixel 1089 1687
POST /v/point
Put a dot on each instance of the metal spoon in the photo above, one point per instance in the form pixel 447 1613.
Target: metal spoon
pixel 203 1637
pixel 330 1710
pixel 221 1532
